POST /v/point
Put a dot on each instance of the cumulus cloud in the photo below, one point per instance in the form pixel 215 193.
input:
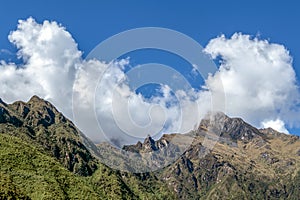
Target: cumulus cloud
pixel 120 112
pixel 258 79
pixel 54 69
pixel 50 57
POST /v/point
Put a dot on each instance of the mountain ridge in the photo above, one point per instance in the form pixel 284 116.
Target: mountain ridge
pixel 43 124
pixel 37 141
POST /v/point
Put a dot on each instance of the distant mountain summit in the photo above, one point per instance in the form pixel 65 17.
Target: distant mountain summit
pixel 245 163
pixel 230 128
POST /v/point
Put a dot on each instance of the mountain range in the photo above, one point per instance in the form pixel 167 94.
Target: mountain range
pixel 43 155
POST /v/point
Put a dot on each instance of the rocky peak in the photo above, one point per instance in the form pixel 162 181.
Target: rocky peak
pixel 231 128
pixel 36 99
pixel 149 144
pixel 37 111
pixel 39 103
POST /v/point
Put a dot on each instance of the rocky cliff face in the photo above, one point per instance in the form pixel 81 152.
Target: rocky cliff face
pixel 245 163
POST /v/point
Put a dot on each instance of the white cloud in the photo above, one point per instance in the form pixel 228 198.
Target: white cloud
pixel 258 79
pixel 276 125
pixel 123 114
pixel 50 57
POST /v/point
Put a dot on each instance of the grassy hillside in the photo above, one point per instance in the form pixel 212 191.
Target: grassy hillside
pixel 28 172
pixel 39 123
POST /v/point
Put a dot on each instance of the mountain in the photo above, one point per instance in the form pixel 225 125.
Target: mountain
pixel 245 163
pixel 38 122
pixel 44 156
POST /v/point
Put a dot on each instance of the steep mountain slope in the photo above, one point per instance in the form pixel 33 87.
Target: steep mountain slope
pixel 37 175
pixel 43 156
pixel 38 122
pixel 245 163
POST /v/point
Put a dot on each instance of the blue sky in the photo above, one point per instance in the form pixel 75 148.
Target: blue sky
pixel 91 22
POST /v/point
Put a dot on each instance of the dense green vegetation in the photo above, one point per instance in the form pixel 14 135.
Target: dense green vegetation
pixel 27 171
